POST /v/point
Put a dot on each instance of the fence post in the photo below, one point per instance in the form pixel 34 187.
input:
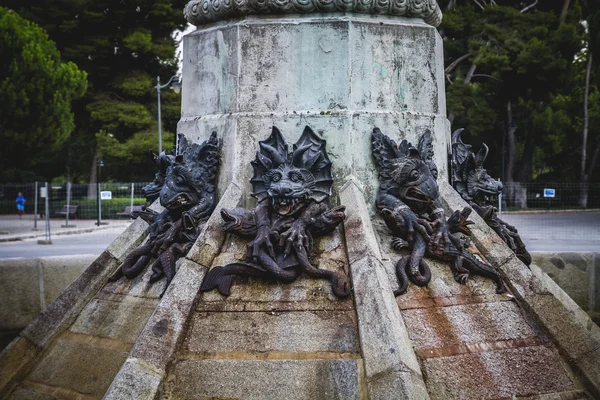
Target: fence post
pixel 47 237
pixel 66 225
pixel 35 208
pixel 132 188
pixel 98 201
pixel 500 201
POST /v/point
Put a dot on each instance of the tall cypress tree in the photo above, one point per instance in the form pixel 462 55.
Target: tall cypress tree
pixel 123 46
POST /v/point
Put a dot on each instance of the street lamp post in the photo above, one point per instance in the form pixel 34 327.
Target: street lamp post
pixel 174 84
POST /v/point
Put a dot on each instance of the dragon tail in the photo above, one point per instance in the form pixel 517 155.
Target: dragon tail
pixel 477 267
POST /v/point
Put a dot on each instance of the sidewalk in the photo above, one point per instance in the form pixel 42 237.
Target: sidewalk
pixel 12 228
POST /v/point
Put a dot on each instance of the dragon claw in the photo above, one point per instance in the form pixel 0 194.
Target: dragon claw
pixel 461 278
pixel 399 243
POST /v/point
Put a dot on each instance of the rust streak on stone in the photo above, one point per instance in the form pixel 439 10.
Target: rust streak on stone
pixel 275 306
pixel 270 355
pixel 94 341
pixel 477 347
pixel 56 391
pixel 451 301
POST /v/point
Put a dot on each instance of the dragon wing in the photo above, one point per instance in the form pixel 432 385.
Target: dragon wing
pixel 460 156
pixel 385 150
pixel 309 153
pixel 207 161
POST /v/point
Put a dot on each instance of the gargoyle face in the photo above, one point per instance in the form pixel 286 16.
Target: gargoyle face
pixel 178 192
pixel 415 181
pixel 482 187
pixel 289 188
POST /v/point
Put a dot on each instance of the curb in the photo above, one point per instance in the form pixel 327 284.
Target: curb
pixel 17 238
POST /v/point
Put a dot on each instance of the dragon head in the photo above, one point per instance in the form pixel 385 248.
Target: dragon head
pixel 407 172
pixel 163 160
pixel 290 180
pixel 191 175
pixel 469 178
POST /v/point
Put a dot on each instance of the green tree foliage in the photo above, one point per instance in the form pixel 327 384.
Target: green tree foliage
pixel 37 89
pixel 123 46
pixel 520 76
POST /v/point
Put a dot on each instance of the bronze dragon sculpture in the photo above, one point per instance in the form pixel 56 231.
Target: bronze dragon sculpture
pixel 477 188
pixel 293 191
pixel 408 202
pixel 188 195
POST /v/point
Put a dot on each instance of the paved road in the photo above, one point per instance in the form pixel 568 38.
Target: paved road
pixel 558 231
pixel 568 231
pixel 63 245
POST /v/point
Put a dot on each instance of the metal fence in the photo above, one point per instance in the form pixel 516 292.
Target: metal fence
pixel 550 196
pixel 67 202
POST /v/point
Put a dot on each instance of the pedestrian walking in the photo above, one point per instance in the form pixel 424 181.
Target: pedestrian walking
pixel 21 204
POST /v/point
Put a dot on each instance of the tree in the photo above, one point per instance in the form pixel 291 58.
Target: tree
pixel 510 76
pixel 123 46
pixel 37 89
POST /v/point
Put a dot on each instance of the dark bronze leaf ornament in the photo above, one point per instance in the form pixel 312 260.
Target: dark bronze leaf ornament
pixel 408 201
pixel 293 191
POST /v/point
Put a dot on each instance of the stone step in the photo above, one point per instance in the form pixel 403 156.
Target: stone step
pixel 473 343
pixel 265 380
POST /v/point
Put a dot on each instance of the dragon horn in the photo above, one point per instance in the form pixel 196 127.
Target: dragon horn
pixel 272 153
pixel 456 135
pixel 297 156
pixel 481 155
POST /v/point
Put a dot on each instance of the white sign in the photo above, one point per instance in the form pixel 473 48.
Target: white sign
pixel 106 195
pixel 549 192
pixel 43 192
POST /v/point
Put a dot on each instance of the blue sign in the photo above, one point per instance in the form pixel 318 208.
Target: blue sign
pixel 106 195
pixel 549 192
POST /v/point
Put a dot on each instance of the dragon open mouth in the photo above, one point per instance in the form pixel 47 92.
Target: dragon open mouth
pixel 287 205
pixel 415 194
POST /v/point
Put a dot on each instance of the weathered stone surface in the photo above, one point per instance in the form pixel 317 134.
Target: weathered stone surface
pixel 390 362
pixel 572 272
pixel 139 286
pixel 570 327
pixel 264 380
pixel 360 238
pixel 60 272
pixel 136 380
pixel 24 393
pixel 310 331
pixel 158 341
pixel 507 373
pixel 79 367
pixel 468 324
pixel 212 235
pixel 18 354
pixel 122 320
pixel 20 288
pixel 132 237
pixel 59 315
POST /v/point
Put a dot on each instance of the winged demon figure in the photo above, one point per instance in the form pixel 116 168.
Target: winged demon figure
pixel 408 202
pixel 293 191
pixel 188 195
pixel 480 190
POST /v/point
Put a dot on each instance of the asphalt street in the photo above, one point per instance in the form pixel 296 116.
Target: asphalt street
pixel 555 231
pixel 62 245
